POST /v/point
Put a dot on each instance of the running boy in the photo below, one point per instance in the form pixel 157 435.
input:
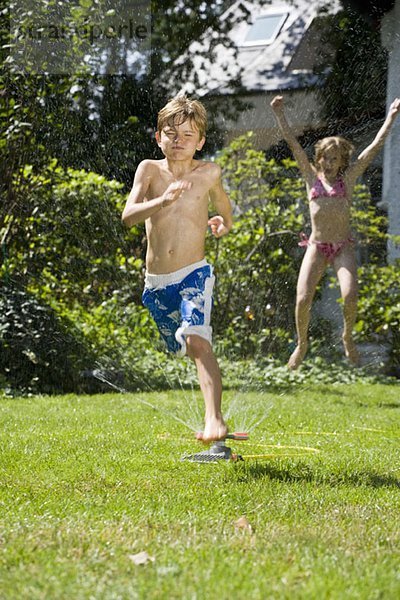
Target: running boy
pixel 172 196
pixel 330 182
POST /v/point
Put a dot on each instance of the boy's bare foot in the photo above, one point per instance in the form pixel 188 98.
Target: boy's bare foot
pixel 297 356
pixel 214 430
pixel 350 350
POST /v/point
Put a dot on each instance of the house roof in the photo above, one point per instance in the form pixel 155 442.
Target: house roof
pixel 285 61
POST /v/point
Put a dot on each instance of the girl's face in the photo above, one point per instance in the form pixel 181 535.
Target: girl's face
pixel 330 163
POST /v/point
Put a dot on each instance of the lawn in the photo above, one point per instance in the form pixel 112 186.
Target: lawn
pixel 89 483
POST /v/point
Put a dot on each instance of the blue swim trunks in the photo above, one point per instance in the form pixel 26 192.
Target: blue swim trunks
pixel 180 304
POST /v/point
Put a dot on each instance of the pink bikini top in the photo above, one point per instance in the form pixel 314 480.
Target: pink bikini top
pixel 318 190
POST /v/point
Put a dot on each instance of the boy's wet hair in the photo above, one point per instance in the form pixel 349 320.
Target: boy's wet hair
pixel 180 109
pixel 344 147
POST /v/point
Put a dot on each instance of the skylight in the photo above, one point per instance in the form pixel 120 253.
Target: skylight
pixel 265 29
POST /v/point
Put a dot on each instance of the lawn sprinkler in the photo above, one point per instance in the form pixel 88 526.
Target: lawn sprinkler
pixel 218 451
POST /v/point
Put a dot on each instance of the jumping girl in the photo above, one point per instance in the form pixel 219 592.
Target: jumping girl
pixel 330 183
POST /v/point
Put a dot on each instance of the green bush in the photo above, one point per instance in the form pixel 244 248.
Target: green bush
pixel 65 239
pixel 64 244
pixel 257 263
pixel 80 279
pixel 39 351
pixel 379 306
pixel 378 317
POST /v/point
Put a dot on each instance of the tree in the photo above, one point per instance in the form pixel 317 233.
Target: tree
pixel 355 88
pixel 103 123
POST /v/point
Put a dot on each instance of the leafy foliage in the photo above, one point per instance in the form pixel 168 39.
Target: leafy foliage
pixel 77 267
pixel 71 258
pixel 74 247
pixel 72 277
pixel 379 294
pixel 356 85
pixel 256 265
pixel 39 350
pixel 96 121
pixel 379 306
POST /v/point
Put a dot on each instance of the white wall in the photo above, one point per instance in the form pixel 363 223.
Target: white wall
pixel 303 111
pixel 391 164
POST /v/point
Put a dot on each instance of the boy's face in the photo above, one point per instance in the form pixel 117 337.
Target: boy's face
pixel 180 142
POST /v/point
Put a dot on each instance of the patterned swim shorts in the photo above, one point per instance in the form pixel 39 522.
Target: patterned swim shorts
pixel 180 304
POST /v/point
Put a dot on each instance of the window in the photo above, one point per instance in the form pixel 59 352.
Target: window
pixel 265 29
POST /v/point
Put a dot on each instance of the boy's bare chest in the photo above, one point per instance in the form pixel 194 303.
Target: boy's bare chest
pixel 198 192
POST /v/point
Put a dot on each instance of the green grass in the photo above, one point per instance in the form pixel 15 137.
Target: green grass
pixel 87 482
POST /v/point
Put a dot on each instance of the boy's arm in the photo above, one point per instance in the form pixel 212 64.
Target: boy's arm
pixel 136 210
pixel 222 222
pixel 300 156
pixel 369 153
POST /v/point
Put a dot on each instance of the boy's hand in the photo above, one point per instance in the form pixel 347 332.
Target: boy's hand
pixel 174 191
pixel 218 227
pixel 277 104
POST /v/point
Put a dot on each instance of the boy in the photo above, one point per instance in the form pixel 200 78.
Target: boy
pixel 172 195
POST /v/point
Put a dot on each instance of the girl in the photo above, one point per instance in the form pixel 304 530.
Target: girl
pixel 330 183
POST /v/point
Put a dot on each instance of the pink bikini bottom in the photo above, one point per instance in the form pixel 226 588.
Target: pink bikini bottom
pixel 329 250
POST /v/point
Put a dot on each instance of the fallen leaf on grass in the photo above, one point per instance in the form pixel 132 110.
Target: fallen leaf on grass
pixel 141 558
pixel 243 524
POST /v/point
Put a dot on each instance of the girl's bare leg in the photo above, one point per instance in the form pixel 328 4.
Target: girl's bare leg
pixel 311 270
pixel 346 270
pixel 200 351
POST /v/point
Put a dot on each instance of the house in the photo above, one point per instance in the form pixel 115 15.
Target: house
pixel 280 45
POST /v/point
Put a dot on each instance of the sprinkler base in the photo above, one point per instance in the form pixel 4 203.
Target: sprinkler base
pixel 218 451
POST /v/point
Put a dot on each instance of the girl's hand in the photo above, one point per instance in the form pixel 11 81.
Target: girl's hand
pixel 218 227
pixel 394 108
pixel 277 104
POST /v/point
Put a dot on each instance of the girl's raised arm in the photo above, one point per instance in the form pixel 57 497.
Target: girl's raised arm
pixel 300 156
pixel 369 153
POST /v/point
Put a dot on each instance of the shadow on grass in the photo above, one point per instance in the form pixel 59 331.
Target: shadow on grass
pixel 302 472
pixel 389 405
